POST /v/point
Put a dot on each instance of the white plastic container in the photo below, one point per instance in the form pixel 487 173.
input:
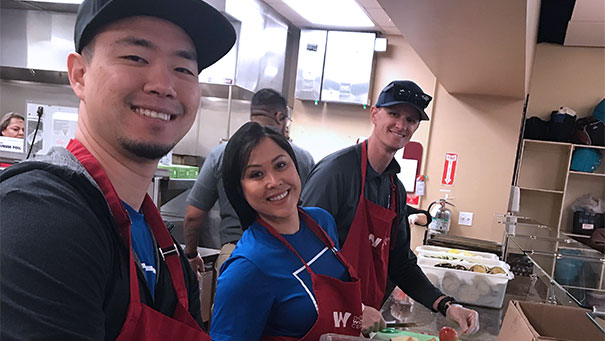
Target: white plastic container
pixel 455 252
pixel 441 257
pixel 482 289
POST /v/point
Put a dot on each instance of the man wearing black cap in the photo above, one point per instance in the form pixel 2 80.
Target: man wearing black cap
pixel 89 256
pixel 359 186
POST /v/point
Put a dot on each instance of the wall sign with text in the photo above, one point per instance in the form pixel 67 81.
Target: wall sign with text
pixel 449 169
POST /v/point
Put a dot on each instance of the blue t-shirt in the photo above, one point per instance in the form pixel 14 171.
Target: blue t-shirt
pixel 142 244
pixel 264 289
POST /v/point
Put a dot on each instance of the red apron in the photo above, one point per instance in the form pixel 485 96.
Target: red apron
pixel 367 243
pixel 338 302
pixel 143 322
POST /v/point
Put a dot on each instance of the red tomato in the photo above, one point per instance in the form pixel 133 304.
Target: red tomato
pixel 448 334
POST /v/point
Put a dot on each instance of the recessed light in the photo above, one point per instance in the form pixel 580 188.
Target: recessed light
pixel 342 13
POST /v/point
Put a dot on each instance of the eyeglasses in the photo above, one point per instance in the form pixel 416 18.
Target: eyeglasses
pixel 420 99
pixel 272 116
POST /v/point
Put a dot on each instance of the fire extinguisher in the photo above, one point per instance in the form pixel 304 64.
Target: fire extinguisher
pixel 441 216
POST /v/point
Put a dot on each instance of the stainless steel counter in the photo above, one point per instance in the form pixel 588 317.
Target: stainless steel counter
pixel 490 319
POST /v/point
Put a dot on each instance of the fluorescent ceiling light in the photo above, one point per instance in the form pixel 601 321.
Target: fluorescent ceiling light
pixel 58 1
pixel 331 12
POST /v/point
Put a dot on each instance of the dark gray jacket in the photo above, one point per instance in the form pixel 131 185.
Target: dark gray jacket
pixel 64 265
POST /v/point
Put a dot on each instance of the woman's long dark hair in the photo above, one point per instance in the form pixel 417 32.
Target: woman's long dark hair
pixel 235 159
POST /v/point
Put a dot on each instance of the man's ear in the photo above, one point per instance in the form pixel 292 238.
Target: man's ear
pixel 373 112
pixel 280 116
pixel 76 68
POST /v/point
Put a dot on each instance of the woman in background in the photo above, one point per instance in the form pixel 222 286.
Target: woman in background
pixel 286 279
pixel 13 125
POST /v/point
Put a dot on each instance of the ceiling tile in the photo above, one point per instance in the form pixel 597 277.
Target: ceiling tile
pixel 585 34
pixel 589 10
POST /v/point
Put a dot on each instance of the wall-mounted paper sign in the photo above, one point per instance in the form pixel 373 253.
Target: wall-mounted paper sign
pixel 449 169
pixel 410 160
pixel 11 144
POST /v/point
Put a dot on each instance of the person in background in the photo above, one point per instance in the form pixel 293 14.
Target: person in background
pixel 286 277
pixel 418 217
pixel 359 187
pixel 84 251
pixel 13 125
pixel 268 107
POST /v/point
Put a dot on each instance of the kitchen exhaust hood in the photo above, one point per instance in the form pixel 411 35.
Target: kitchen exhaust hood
pixel 36 37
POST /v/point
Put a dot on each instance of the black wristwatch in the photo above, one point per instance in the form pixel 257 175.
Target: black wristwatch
pixel 445 303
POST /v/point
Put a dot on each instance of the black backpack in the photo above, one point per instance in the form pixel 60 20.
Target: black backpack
pixel 590 131
pixel 561 127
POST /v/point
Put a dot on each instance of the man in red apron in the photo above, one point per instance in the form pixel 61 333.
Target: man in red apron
pixel 359 186
pixel 85 253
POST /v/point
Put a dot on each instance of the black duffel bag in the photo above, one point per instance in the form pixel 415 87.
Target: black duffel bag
pixel 590 131
pixel 561 126
pixel 536 129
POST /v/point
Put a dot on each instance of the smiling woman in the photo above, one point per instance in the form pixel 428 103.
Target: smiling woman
pixel 286 278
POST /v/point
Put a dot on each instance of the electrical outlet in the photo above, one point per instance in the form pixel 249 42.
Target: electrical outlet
pixel 465 218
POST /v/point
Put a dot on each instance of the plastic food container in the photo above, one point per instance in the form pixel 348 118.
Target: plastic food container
pixel 454 252
pixel 482 289
pixel 338 337
pixel 396 334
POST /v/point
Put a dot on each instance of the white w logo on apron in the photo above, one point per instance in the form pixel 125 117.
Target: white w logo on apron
pixel 339 318
pixel 374 241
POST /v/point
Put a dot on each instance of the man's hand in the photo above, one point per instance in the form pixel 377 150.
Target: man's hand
pixel 197 264
pixel 412 219
pixel 467 319
pixel 372 321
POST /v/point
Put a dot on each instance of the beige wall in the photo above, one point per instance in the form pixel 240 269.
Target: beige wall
pixel 483 131
pixel 566 76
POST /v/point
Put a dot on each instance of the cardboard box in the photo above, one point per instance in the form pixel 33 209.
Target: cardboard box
pixel 532 321
pixel 207 288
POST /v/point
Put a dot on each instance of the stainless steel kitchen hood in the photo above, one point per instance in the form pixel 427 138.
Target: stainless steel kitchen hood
pixel 39 6
pixel 34 75
pixel 222 91
pixel 9 73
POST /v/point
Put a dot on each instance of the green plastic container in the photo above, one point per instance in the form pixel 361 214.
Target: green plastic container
pixel 388 333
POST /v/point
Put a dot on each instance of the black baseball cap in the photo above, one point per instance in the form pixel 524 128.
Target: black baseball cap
pixel 212 34
pixel 404 92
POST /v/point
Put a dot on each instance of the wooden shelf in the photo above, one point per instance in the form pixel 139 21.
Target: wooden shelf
pixel 586 173
pixel 541 190
pixel 575 145
pixel 587 146
pixel 548 142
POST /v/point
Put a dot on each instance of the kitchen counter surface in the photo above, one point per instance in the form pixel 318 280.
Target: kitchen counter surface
pixel 490 319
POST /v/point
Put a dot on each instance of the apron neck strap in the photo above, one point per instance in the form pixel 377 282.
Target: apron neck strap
pixel 167 248
pixel 364 164
pixel 317 230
